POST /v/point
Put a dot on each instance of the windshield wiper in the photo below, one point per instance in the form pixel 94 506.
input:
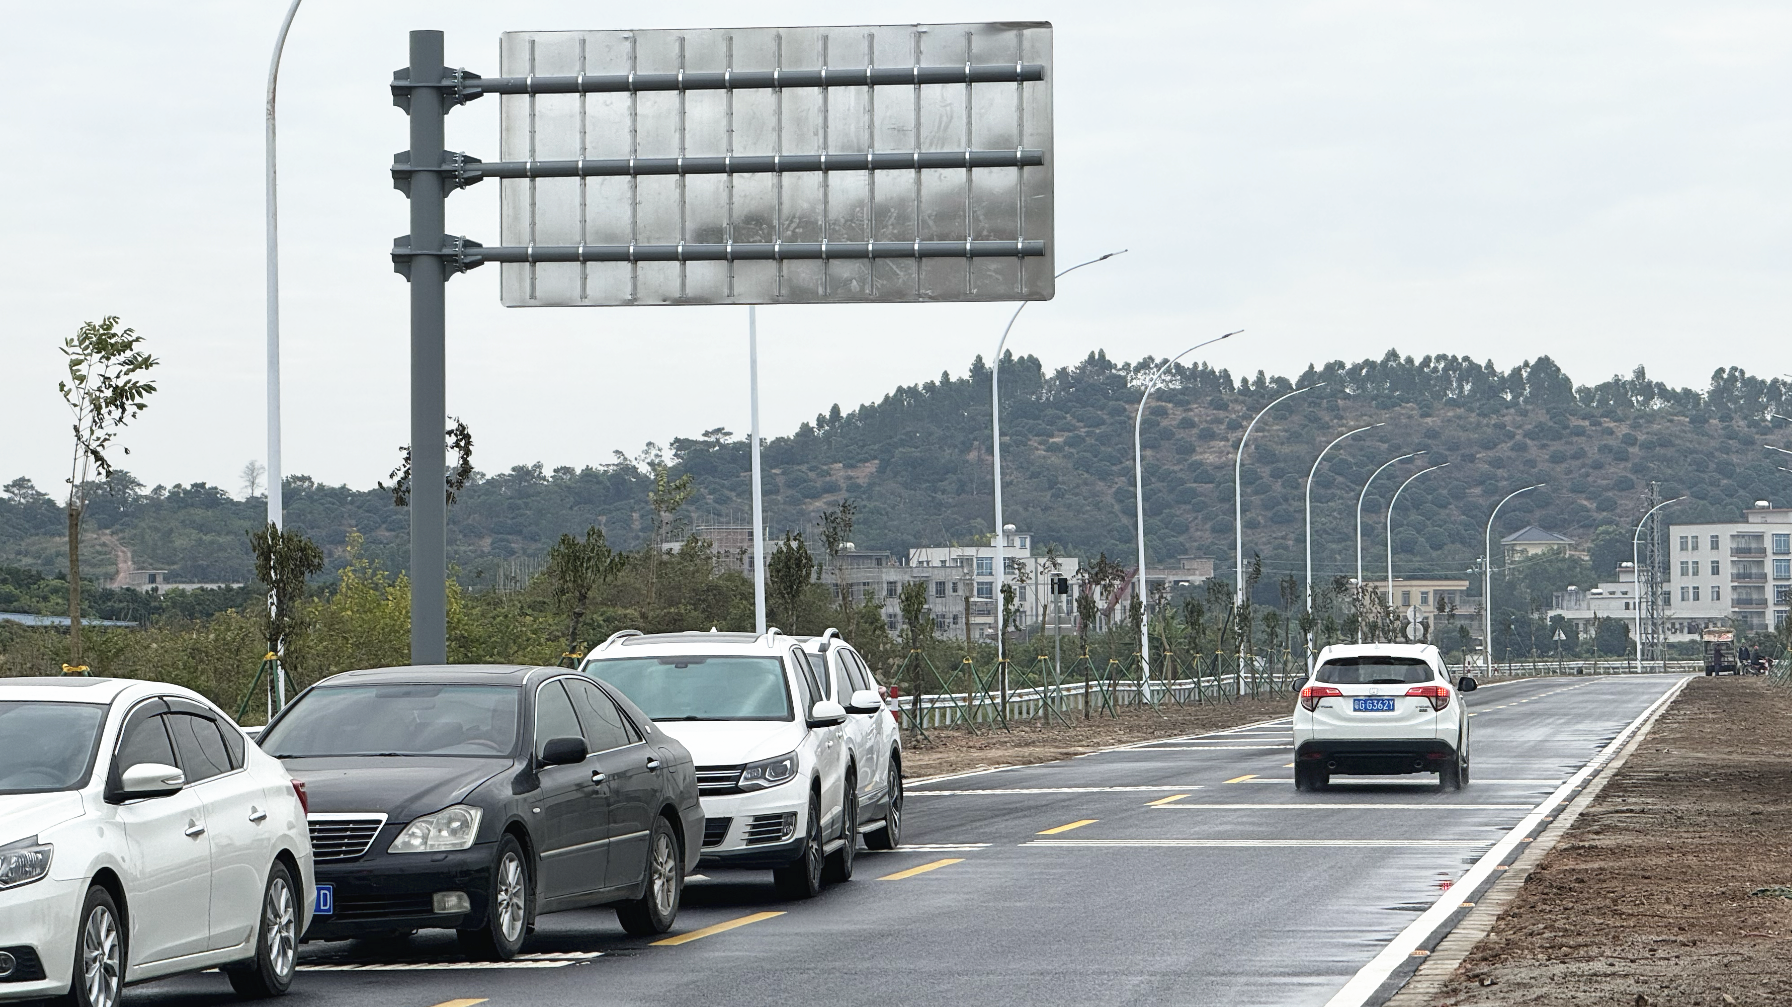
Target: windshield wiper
pixel 692 717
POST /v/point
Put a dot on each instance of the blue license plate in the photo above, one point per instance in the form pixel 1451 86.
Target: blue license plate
pixel 326 900
pixel 1383 704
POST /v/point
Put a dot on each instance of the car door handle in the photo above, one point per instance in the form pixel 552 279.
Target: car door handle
pixel 652 763
pixel 194 829
pixel 598 777
pixel 256 815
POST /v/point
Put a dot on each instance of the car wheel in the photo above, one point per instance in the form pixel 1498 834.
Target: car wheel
pixel 887 836
pixel 269 974
pixel 99 953
pixel 801 879
pixel 657 908
pixel 1449 776
pixel 507 907
pixel 839 863
pixel 1303 778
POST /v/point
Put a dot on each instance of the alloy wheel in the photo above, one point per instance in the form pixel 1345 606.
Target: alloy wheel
pixel 281 922
pixel 100 957
pixel 510 896
pixel 893 815
pixel 816 862
pixel 665 873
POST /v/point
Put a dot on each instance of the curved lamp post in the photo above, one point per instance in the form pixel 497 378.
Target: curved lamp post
pixel 995 441
pixel 1487 577
pixel 1310 474
pixel 1636 571
pixel 1391 502
pixel 1359 526
pixel 1138 481
pixel 1238 512
pixel 275 502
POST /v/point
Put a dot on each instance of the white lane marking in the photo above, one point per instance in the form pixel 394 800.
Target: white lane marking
pixel 1382 782
pixel 531 960
pixel 1255 843
pixel 1208 748
pixel 1059 790
pixel 935 847
pixel 1362 987
pixel 1338 805
pixel 908 782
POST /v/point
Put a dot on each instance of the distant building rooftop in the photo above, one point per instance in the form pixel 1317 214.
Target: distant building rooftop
pixel 32 619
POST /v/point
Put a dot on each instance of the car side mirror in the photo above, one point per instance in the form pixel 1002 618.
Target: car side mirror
pixel 150 780
pixel 1297 682
pixel 826 713
pixel 564 751
pixel 1466 684
pixel 865 701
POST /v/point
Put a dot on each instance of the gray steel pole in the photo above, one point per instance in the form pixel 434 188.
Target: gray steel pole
pixel 1487 581
pixel 1391 502
pixel 1636 571
pixel 1359 531
pixel 1238 515
pixel 758 496
pixel 1310 474
pixel 429 409
pixel 275 477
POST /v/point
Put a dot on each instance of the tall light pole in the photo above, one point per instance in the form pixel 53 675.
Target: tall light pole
pixel 1310 475
pixel 276 503
pixel 1636 571
pixel 1487 577
pixel 1359 526
pixel 1138 486
pixel 1391 502
pixel 1238 512
pixel 995 441
pixel 758 497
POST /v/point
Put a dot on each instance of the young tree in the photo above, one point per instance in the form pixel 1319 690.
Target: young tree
pixel 577 569
pixel 460 441
pixel 913 601
pixel 105 394
pixel 788 573
pixel 252 475
pixel 836 534
pixel 283 560
pixel 666 497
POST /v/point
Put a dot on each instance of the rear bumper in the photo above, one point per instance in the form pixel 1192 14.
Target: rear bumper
pixel 383 893
pixel 1377 756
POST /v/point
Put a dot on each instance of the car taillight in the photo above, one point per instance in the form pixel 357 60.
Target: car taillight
pixel 894 693
pixel 1439 695
pixel 1310 695
pixel 298 788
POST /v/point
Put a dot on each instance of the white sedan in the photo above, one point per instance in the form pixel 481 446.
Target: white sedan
pixel 141 836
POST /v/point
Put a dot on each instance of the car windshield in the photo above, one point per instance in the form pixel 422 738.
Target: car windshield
pixel 412 719
pixel 1369 670
pixel 47 746
pixel 700 688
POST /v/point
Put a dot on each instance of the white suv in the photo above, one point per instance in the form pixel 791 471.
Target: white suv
pixel 1381 709
pixel 873 740
pixel 769 744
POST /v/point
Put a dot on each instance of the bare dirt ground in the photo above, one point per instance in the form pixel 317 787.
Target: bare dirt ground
pixel 950 750
pixel 1658 894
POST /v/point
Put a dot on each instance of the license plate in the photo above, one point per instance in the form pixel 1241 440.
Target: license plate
pixel 1383 704
pixel 326 900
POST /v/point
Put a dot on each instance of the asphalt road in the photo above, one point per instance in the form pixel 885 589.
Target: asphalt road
pixel 1176 872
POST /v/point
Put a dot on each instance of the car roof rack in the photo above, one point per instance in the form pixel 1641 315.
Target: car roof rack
pixel 831 633
pixel 618 635
pixel 770 632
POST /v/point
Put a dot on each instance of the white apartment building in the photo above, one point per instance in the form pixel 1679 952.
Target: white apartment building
pixel 962 587
pixel 1735 571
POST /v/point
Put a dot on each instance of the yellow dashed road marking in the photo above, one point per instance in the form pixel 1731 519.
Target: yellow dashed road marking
pixel 1066 827
pixel 1246 777
pixel 691 936
pixel 1166 801
pixel 924 868
pixel 463 1003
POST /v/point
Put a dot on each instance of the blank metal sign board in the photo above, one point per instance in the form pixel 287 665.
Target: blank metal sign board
pixel 777 165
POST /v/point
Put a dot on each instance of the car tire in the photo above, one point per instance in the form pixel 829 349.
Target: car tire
pixel 889 835
pixel 839 864
pixel 507 907
pixel 801 879
pixel 269 974
pixel 1449 776
pixel 1316 777
pixel 657 908
pixel 100 953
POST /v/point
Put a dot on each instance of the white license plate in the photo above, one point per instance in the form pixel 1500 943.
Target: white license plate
pixel 1375 704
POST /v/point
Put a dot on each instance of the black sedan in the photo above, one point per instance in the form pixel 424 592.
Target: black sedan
pixel 474 797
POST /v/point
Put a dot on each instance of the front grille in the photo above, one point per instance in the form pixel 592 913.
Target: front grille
pixel 367 907
pixel 719 779
pixel 26 966
pixel 338 836
pixel 763 829
pixel 715 831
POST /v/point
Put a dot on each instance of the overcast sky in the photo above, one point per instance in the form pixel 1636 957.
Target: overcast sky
pixel 1601 182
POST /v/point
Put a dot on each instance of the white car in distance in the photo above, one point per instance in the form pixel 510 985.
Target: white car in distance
pixel 773 770
pixel 142 836
pixel 1381 709
pixel 873 740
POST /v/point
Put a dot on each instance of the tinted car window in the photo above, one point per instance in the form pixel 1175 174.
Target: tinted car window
pixel 700 688
pixel 145 741
pixel 411 719
pixel 861 679
pixel 807 668
pixel 1371 669
pixel 198 745
pixel 605 727
pixel 554 718
pixel 47 746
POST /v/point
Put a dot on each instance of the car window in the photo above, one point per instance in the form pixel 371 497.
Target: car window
pixel 47 746
pixel 145 740
pixel 1370 669
pixel 198 745
pixel 861 677
pixel 700 687
pixel 807 669
pixel 234 742
pixel 397 719
pixel 605 727
pixel 554 717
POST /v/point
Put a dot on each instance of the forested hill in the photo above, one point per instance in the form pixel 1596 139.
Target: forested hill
pixel 918 463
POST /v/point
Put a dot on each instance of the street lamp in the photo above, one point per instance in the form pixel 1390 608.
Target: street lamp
pixel 276 503
pixel 1636 571
pixel 1138 478
pixel 1310 475
pixel 1487 578
pixel 1359 527
pixel 1238 510
pixel 1391 502
pixel 995 441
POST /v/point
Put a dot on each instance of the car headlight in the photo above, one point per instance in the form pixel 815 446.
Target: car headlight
pixel 24 862
pixel 453 828
pixel 768 773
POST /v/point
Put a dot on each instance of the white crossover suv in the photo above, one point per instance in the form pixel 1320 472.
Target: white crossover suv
pixel 873 740
pixel 142 836
pixel 770 747
pixel 1381 709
